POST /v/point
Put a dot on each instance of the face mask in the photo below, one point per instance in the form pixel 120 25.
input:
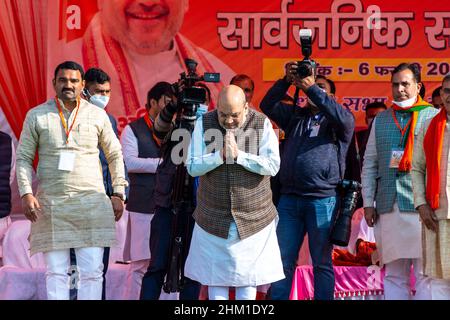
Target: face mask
pixel 99 100
pixel 406 103
pixel 201 109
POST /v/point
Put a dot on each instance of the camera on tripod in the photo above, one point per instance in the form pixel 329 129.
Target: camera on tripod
pixel 189 96
pixel 349 192
pixel 307 65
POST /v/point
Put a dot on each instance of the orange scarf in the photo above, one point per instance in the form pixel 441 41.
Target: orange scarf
pixel 432 145
pixel 405 164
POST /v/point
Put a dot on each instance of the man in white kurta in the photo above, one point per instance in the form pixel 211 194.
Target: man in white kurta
pixel 435 222
pixel 70 208
pixel 234 242
pixel 396 224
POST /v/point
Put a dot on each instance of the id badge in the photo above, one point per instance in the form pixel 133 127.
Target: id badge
pixel 314 131
pixel 66 161
pixel 396 156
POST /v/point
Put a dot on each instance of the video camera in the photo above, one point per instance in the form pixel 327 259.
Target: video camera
pixel 307 65
pixel 189 96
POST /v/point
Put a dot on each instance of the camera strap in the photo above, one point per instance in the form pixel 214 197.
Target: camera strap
pixel 358 153
pixel 296 94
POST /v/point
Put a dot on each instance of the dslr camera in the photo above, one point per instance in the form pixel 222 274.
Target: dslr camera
pixel 307 65
pixel 349 192
pixel 189 96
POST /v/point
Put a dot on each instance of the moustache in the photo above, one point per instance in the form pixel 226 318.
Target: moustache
pixel 71 90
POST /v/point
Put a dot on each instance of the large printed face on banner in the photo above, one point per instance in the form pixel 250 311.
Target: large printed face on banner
pixel 143 26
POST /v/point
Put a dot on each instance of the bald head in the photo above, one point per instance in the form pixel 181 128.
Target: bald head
pixel 231 95
pixel 232 107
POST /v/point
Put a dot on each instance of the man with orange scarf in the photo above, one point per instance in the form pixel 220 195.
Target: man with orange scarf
pixel 430 173
pixel 387 188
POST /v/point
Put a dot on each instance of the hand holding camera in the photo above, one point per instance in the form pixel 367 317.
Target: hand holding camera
pixel 302 73
pixel 293 77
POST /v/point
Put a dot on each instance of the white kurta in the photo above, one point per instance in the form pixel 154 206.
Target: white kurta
pixel 253 261
pixel 397 234
pixel 76 212
pixel 436 246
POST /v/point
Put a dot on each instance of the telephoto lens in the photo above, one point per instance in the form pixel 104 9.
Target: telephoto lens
pixel 349 192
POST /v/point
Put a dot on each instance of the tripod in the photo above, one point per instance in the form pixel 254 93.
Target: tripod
pixel 183 207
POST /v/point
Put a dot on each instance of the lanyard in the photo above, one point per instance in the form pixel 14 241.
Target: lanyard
pixel 314 120
pixel 149 121
pixel 402 130
pixel 63 120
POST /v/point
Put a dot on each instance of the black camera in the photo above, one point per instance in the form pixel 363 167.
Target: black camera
pixel 306 66
pixel 189 96
pixel 349 192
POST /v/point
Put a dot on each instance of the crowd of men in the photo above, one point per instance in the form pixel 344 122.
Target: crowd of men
pixel 236 232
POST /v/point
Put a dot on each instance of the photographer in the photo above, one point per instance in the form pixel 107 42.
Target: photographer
pixel 309 174
pixel 162 224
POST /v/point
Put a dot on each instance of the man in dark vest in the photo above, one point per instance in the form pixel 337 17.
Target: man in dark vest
pixel 7 166
pixel 142 156
pixel 234 151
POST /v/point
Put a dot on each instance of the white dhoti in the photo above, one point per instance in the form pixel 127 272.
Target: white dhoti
pixel 399 244
pixel 233 262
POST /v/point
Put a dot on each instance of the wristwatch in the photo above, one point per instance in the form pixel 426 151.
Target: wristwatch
pixel 121 196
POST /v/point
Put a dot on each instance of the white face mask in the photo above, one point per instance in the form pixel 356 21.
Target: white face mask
pixel 99 100
pixel 406 103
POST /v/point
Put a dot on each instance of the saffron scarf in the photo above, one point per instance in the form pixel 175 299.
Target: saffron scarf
pixel 149 121
pixel 432 145
pixel 406 161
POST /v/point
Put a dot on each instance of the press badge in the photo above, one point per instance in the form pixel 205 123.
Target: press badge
pixel 314 131
pixel 396 157
pixel 66 161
